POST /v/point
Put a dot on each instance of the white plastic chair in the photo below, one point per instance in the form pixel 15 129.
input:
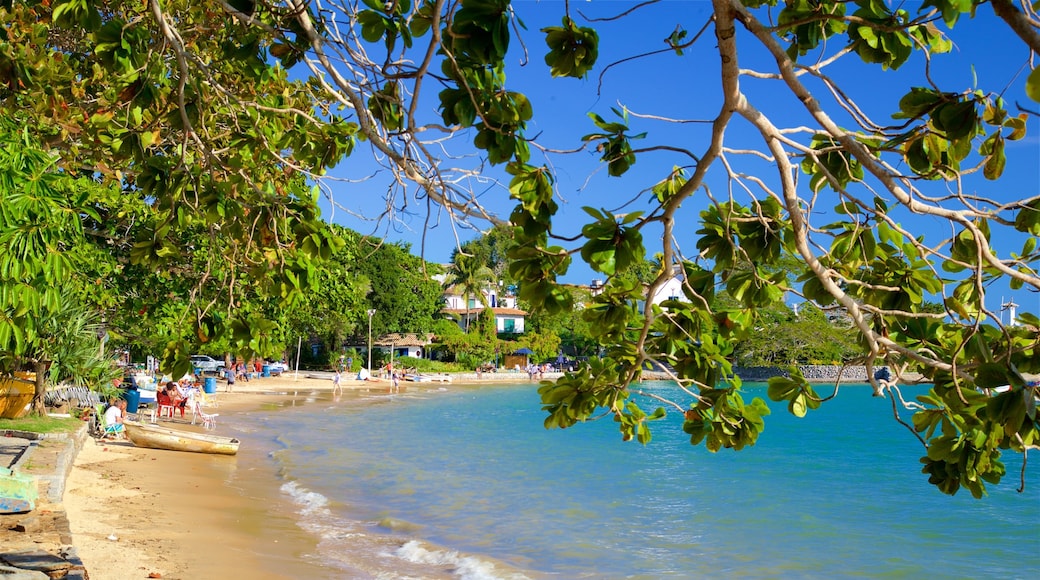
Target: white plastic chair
pixel 209 420
pixel 206 400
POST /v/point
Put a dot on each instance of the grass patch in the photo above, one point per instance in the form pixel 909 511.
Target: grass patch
pixel 45 424
pixel 426 366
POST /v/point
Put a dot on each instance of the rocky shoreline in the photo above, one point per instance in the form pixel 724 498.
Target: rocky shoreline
pixel 812 373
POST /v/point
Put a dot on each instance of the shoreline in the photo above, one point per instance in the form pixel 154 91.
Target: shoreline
pixel 136 512
pixel 133 512
pixel 190 515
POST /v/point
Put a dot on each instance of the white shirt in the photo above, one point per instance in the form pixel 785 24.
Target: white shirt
pixel 112 415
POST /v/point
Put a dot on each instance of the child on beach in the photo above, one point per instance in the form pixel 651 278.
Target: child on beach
pixel 114 416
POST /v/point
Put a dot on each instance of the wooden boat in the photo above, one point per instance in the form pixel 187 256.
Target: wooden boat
pixel 156 437
pixel 148 396
pixel 17 492
pixel 439 378
pixel 15 396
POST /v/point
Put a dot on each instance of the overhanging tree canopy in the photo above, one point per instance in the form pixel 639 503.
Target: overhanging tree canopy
pixel 778 152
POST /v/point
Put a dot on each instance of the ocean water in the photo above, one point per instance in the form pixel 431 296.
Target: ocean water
pixel 465 482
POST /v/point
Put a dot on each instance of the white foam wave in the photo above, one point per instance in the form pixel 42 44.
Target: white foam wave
pixel 464 567
pixel 310 502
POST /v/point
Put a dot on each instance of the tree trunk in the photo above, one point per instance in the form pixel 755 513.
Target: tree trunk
pixel 38 408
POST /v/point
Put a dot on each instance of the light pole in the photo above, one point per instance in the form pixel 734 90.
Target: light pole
pixel 371 311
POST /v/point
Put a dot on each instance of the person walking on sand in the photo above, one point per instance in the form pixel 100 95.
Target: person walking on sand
pixel 230 374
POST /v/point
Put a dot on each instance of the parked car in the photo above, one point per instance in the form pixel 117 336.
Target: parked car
pixel 207 364
pixel 277 368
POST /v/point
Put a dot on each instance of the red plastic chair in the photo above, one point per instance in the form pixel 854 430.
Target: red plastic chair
pixel 166 406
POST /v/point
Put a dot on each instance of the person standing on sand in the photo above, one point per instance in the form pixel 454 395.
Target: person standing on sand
pixel 230 374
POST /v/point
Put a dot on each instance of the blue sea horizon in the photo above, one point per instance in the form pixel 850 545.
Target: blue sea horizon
pixel 465 482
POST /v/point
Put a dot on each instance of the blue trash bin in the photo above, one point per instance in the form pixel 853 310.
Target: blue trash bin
pixel 266 371
pixel 133 400
pixel 210 386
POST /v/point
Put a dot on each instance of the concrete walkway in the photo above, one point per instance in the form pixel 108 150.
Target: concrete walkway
pixel 38 545
pixel 12 448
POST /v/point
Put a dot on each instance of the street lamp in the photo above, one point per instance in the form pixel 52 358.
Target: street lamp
pixel 371 311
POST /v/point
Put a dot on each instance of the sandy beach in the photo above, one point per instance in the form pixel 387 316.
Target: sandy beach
pixel 145 513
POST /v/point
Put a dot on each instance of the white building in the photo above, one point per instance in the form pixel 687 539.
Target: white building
pixel 466 309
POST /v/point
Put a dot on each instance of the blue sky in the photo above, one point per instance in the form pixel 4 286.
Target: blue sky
pixel 686 87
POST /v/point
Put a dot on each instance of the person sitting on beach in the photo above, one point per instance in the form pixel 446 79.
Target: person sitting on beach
pixel 114 416
pixel 189 391
pixel 364 375
pixel 174 396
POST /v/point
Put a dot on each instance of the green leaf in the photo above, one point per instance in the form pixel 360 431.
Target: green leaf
pixel 1027 218
pixel 781 388
pixel 573 50
pixel 994 167
pixel 1033 85
pixel 798 406
pixel 373 25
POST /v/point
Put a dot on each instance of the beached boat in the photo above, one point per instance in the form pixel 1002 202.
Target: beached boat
pixel 17 492
pixel 438 378
pixel 15 396
pixel 148 396
pixel 155 437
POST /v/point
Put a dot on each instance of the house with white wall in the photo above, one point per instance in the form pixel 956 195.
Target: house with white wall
pixel 670 290
pixel 466 309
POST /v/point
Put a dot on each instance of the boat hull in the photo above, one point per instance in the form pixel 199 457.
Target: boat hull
pixel 17 492
pixel 154 437
pixel 440 378
pixel 15 396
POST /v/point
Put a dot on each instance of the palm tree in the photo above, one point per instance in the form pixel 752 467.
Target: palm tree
pixel 67 341
pixel 472 275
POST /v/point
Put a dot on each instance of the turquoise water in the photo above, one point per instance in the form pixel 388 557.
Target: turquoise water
pixel 465 482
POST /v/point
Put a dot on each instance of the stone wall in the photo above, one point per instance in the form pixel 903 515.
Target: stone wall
pixel 817 373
